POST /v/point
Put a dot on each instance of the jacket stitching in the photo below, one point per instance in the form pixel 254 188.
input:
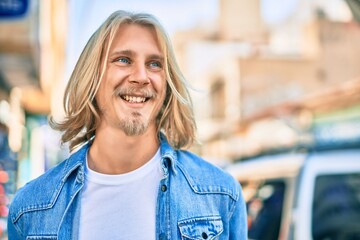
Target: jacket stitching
pixel 69 204
pixel 234 205
pixel 18 230
pixel 224 192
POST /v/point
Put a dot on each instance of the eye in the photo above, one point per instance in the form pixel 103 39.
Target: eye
pixel 155 64
pixel 123 60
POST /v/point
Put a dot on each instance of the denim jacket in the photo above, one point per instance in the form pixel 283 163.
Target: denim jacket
pixel 196 200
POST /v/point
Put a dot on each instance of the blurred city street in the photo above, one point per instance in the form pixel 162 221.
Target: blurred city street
pixel 276 94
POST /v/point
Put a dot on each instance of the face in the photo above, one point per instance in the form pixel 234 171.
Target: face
pixel 133 87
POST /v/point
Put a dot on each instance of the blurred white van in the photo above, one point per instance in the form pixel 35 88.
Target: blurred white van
pixel 302 195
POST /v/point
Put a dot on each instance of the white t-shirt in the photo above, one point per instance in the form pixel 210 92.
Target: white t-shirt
pixel 120 206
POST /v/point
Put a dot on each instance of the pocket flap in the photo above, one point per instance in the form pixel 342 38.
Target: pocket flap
pixel 44 237
pixel 201 227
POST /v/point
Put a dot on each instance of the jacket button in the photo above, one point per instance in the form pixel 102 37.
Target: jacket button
pixel 204 235
pixel 163 188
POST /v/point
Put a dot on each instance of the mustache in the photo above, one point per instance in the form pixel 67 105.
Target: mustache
pixel 148 93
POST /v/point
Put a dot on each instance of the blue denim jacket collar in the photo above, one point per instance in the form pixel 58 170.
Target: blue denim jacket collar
pixel 169 162
pixel 77 160
pixel 168 156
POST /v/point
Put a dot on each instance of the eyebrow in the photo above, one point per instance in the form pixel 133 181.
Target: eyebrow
pixel 132 53
pixel 122 52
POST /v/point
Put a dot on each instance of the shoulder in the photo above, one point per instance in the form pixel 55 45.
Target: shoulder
pixel 42 192
pixel 204 176
pixel 38 191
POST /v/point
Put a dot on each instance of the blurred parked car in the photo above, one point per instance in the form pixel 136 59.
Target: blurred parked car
pixel 301 196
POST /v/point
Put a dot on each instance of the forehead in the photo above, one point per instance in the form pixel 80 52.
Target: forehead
pixel 136 36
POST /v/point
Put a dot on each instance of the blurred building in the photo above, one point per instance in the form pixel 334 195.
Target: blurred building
pixel 265 86
pixel 32 42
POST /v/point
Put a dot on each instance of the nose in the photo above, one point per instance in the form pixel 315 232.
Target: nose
pixel 139 75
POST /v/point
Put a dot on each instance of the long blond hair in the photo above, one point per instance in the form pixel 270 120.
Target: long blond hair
pixel 176 118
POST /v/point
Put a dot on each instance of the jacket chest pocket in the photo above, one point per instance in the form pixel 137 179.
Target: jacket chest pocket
pixel 45 237
pixel 208 228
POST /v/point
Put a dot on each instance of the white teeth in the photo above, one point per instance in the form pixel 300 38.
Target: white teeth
pixel 132 99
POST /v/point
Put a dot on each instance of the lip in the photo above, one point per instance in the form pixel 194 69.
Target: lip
pixel 134 98
pixel 134 104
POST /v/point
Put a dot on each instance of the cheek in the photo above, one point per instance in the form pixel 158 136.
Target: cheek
pixel 158 80
pixel 160 85
pixel 101 96
pixel 161 90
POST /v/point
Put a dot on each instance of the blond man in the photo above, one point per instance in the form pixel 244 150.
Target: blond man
pixel 129 120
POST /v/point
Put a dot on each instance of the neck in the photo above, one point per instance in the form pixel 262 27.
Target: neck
pixel 112 152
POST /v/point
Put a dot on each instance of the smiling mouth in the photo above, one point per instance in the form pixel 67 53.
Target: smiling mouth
pixel 134 99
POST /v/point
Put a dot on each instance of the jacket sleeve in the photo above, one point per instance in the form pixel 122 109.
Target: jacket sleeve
pixel 238 221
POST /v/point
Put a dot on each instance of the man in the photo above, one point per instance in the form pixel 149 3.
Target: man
pixel 129 114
